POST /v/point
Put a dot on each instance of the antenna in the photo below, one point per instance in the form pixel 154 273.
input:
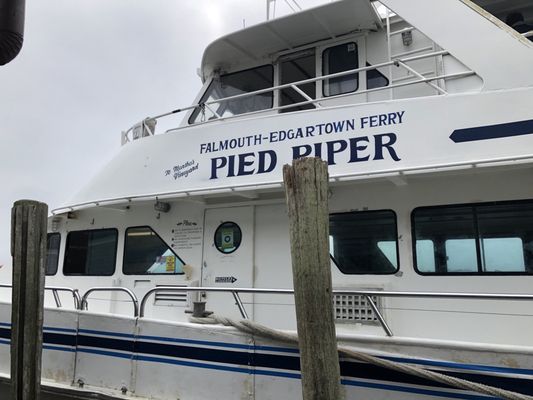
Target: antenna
pixel 268 3
pixel 299 7
pixel 271 6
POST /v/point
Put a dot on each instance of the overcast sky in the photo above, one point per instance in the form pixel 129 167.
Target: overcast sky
pixel 90 69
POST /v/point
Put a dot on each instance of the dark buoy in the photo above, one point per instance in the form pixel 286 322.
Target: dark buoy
pixel 11 29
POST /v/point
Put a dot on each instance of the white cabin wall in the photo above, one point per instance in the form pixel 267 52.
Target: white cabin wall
pixel 444 319
pixel 476 320
pixel 121 219
pixel 426 67
pixel 272 266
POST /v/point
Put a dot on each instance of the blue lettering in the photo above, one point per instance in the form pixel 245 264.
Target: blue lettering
pixel 243 163
pixel 263 169
pixel 338 126
pixel 381 144
pixel 216 164
pixel 332 151
pixel 355 148
pixel 301 151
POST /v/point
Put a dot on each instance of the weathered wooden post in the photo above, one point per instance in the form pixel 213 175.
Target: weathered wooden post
pixel 306 186
pixel 28 249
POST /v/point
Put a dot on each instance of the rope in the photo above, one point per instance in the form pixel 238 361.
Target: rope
pixel 253 328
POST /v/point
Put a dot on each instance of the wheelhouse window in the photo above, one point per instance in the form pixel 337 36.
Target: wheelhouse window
pixel 53 241
pixel 91 252
pixel 364 242
pixel 343 57
pixel 495 238
pixel 295 68
pixel 375 79
pixel 234 84
pixel 145 253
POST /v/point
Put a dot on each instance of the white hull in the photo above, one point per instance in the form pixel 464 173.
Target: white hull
pixel 163 360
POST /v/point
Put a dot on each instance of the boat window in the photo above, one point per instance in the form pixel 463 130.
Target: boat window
pixel 375 79
pixel 364 242
pixel 145 253
pixel 234 84
pixel 336 59
pixel 228 237
pixel 53 240
pixel 425 254
pixel 293 69
pixel 492 238
pixel 91 252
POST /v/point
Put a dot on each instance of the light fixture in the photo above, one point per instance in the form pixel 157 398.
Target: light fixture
pixel 55 224
pixel 407 38
pixel 161 206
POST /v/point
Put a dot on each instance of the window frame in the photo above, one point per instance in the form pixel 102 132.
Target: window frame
pixel 50 234
pixel 479 271
pixel 194 112
pixel 325 81
pixel 310 50
pixel 91 230
pixel 396 240
pixel 215 237
pixel 164 241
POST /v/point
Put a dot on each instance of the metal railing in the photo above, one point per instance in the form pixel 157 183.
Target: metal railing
pixel 55 292
pixel 399 62
pixel 133 297
pixel 367 294
pixel 75 295
pixel 81 303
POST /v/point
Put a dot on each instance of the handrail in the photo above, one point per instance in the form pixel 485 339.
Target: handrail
pixel 75 295
pixel 399 62
pixel 133 297
pixel 365 293
pixel 55 289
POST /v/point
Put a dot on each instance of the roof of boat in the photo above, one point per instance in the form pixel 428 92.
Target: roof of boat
pixel 256 42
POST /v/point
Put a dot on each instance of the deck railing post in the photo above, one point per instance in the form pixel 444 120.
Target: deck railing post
pixel 28 249
pixel 306 185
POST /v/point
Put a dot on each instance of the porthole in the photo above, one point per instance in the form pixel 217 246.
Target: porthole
pixel 228 237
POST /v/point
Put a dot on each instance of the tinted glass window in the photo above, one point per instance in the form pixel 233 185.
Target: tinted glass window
pixel 52 255
pixel 146 253
pixel 91 252
pixel 340 58
pixel 375 79
pixel 364 242
pixel 298 68
pixel 232 85
pixel 480 238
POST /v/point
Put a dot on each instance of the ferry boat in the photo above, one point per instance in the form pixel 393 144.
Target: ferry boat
pixel 422 110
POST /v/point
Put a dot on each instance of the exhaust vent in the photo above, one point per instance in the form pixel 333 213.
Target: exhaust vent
pixel 176 298
pixel 355 308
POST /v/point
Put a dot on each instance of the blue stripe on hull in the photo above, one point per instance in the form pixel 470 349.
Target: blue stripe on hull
pixel 250 360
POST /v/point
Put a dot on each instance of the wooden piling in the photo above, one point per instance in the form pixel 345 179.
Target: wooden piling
pixel 28 249
pixel 306 186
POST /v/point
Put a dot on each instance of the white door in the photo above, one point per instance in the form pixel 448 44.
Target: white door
pixel 228 258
